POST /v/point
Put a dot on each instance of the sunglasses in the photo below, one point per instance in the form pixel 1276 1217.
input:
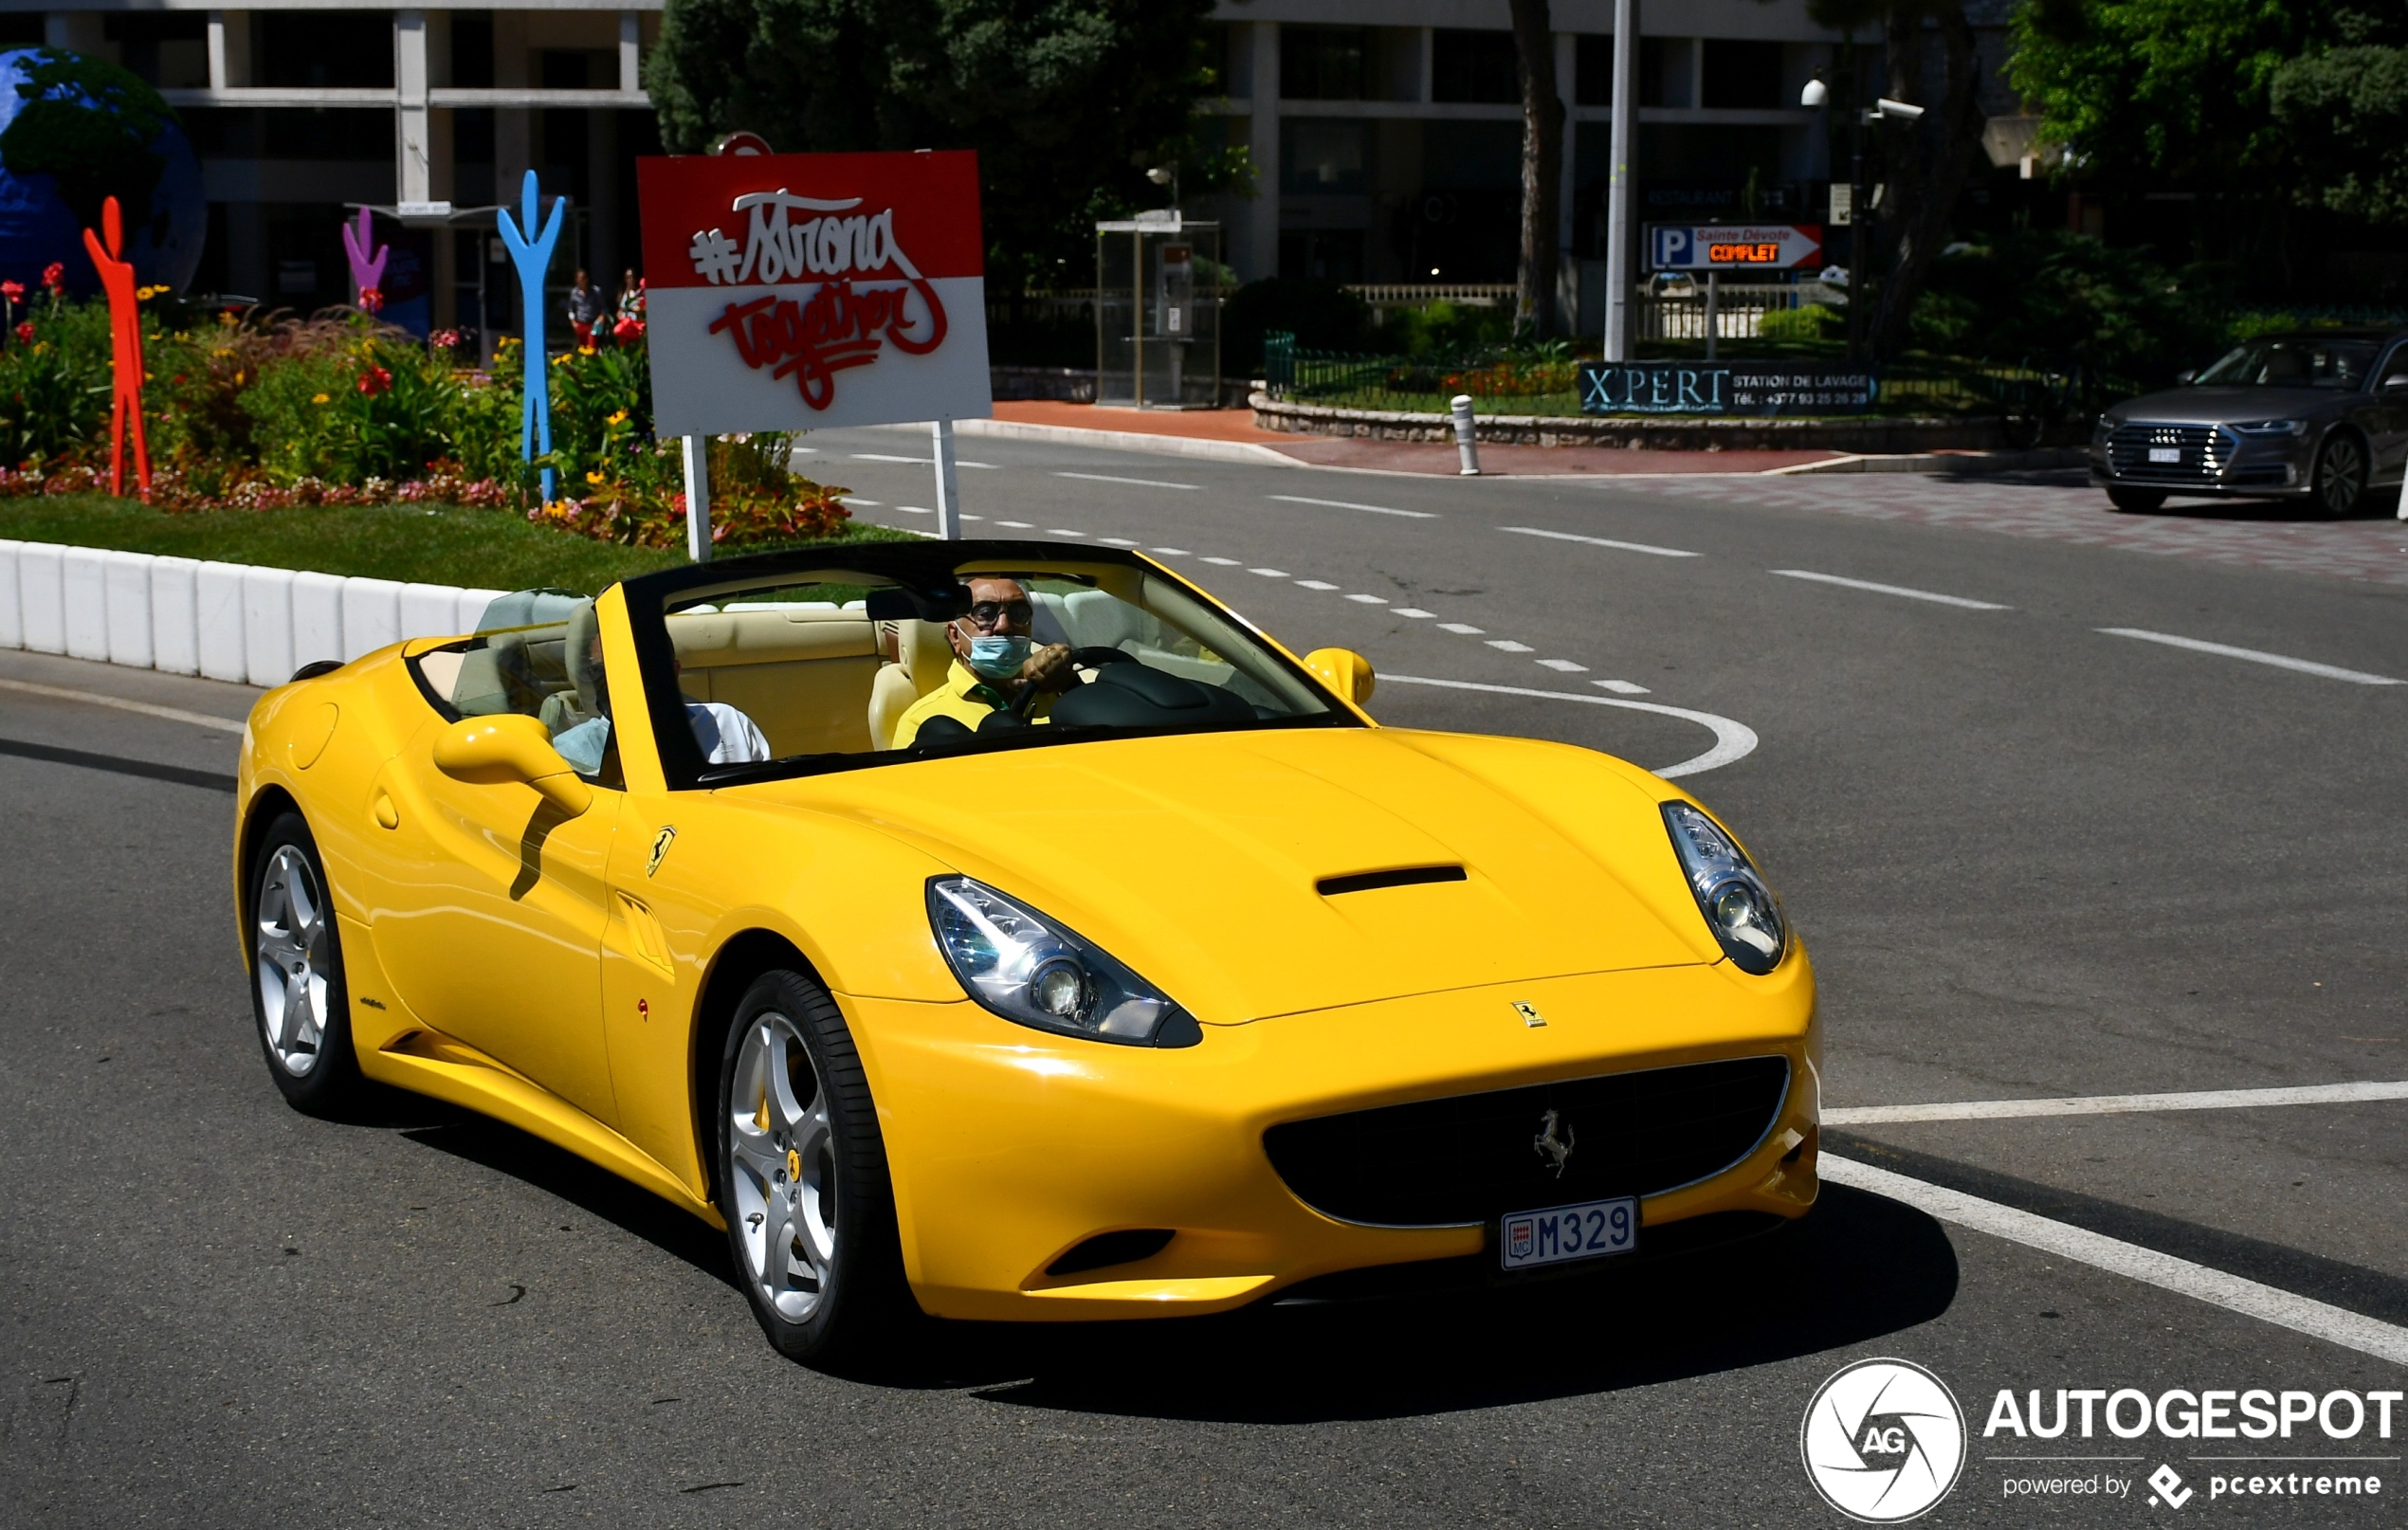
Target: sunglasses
pixel 989 612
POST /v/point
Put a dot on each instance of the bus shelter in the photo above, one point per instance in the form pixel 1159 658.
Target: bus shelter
pixel 1157 312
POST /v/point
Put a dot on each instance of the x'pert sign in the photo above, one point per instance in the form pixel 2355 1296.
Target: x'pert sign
pixel 786 292
pixel 1762 247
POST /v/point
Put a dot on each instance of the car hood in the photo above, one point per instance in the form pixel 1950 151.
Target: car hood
pixel 2221 405
pixel 1194 858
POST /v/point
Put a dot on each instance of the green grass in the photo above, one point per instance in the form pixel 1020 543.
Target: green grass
pixel 477 549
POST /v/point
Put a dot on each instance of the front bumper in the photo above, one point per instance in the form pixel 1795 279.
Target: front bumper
pixel 1009 1148
pixel 2232 467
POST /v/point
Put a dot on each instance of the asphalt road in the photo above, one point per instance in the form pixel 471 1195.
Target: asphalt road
pixel 2032 859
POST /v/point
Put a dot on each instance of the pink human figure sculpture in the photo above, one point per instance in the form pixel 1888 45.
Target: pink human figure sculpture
pixel 367 271
pixel 125 328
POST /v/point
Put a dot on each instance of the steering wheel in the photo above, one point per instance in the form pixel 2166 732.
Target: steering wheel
pixel 1091 658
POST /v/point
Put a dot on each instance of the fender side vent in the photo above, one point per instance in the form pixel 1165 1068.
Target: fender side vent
pixel 1108 1249
pixel 1403 877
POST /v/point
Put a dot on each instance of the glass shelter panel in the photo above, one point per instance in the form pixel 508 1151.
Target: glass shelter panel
pixel 1159 285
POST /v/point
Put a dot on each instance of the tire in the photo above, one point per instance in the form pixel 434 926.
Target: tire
pixel 2340 482
pixel 299 998
pixel 801 1172
pixel 2136 501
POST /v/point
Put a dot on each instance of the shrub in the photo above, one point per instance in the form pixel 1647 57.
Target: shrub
pixel 1807 321
pixel 2055 299
pixel 1322 315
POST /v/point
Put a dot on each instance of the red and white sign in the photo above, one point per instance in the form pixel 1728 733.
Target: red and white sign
pixel 787 292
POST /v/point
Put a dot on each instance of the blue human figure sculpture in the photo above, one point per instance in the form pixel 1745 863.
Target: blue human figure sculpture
pixel 533 258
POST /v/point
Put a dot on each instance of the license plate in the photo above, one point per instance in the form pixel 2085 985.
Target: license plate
pixel 1588 1230
pixel 2165 454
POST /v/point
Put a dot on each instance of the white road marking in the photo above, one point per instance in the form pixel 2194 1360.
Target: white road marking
pixel 1732 740
pixel 882 457
pixel 1619 687
pixel 1141 482
pixel 1223 562
pixel 2121 1104
pixel 149 709
pixel 864 505
pixel 1348 504
pixel 1116 542
pixel 1018 525
pixel 1565 666
pixel 1603 541
pixel 1169 552
pixel 1416 613
pixel 2305 666
pixel 1057 531
pixel 1271 573
pixel 1892 590
pixel 1508 646
pixel 1464 628
pixel 973 518
pixel 915 510
pixel 1315 584
pixel 2267 1304
pixel 1370 600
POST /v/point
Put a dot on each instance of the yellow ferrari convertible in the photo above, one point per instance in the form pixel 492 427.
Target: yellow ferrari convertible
pixel 1008 930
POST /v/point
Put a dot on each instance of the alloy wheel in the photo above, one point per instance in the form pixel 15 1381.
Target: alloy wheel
pixel 782 1168
pixel 2342 476
pixel 292 963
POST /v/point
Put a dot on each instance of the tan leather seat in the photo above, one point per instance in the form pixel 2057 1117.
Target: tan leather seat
pixel 802 673
pixel 927 655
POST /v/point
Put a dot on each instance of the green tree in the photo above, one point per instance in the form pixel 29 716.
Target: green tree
pixel 1066 102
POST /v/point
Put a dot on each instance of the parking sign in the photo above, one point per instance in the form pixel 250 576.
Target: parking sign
pixel 1766 247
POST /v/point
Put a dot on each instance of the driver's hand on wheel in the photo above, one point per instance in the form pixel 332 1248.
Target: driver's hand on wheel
pixel 1049 668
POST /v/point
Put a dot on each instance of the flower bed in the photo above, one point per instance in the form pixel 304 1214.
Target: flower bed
pixel 271 411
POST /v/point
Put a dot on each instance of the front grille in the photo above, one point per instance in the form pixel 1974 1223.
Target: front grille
pixel 1473 1157
pixel 2203 452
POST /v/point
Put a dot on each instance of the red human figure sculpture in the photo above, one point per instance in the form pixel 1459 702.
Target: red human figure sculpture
pixel 125 326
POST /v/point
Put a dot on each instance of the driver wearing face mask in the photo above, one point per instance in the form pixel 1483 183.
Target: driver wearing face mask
pixel 994 663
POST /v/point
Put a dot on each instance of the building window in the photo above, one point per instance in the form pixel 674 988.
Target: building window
pixel 1592 70
pixel 323 50
pixel 1743 76
pixel 1322 254
pixel 1322 156
pixel 472 50
pixel 1664 71
pixel 1322 62
pixel 168 49
pixel 1473 67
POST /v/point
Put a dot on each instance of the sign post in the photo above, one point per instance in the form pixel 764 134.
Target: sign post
pixel 792 292
pixel 698 497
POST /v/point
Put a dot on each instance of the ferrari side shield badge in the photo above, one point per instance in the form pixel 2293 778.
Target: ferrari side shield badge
pixel 1529 1013
pixel 660 843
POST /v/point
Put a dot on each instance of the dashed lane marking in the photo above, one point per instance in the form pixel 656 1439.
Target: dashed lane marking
pixel 1349 504
pixel 1461 629
pixel 1141 482
pixel 1508 646
pixel 1603 541
pixel 2267 1304
pixel 1223 562
pixel 1314 584
pixel 1018 525
pixel 1370 600
pixel 1170 552
pixel 1620 688
pixel 149 709
pixel 1271 573
pixel 1565 666
pixel 1892 590
pixel 2280 660
pixel 2119 1105
pixel 1732 740
pixel 1414 612
pixel 926 462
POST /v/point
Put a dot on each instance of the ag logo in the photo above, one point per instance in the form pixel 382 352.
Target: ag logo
pixel 1882 1441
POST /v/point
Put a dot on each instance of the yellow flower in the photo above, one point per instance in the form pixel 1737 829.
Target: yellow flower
pixel 319 399
pixel 594 478
pixel 620 418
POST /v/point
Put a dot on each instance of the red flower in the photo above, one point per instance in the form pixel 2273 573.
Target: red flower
pixel 627 329
pixel 371 300
pixel 14 291
pixel 25 333
pixel 375 379
pixel 54 275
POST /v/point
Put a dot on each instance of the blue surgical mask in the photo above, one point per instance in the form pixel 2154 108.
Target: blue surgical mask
pixel 998 658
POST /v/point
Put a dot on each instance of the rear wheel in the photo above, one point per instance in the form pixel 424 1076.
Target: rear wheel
pixel 298 993
pixel 2136 501
pixel 802 1174
pixel 2341 476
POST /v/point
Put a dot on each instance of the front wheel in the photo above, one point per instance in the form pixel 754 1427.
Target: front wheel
pixel 802 1178
pixel 2341 476
pixel 298 993
pixel 2136 501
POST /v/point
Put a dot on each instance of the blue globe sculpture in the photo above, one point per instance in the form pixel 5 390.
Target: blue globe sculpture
pixel 90 130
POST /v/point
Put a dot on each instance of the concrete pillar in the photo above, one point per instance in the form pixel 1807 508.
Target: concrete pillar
pixel 632 50
pixel 413 155
pixel 1262 231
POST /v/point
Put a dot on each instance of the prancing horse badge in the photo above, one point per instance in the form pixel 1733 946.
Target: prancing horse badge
pixel 1529 1013
pixel 660 843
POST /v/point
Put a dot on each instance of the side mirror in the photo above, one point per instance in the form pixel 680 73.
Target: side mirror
pixel 2186 379
pixel 1344 672
pixel 494 750
pixel 2396 381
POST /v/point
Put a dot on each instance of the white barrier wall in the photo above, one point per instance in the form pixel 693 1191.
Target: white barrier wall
pixel 226 620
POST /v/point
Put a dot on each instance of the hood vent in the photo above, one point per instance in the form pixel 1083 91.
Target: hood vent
pixel 1403 877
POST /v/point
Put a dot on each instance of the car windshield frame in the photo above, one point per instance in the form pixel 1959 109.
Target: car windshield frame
pixel 924 575
pixel 2254 349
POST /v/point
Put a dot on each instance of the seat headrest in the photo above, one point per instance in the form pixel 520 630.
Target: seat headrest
pixel 925 651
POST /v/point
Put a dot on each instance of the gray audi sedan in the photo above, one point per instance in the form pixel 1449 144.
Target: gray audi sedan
pixel 2321 416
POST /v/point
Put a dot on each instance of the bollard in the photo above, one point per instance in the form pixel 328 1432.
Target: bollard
pixel 1466 437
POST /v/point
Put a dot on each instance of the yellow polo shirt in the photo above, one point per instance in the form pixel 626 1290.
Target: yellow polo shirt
pixel 964 697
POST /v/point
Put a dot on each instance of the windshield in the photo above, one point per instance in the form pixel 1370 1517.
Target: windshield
pixel 796 671
pixel 2292 363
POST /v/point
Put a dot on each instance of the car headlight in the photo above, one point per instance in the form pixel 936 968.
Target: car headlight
pixel 2273 427
pixel 1031 970
pixel 1739 908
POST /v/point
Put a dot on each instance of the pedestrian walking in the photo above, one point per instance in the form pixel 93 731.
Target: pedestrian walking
pixel 585 307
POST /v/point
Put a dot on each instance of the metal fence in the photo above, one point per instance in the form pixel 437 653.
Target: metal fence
pixel 1739 311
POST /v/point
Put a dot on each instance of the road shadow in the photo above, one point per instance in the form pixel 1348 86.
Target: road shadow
pixel 594 1190
pixel 1860 1267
